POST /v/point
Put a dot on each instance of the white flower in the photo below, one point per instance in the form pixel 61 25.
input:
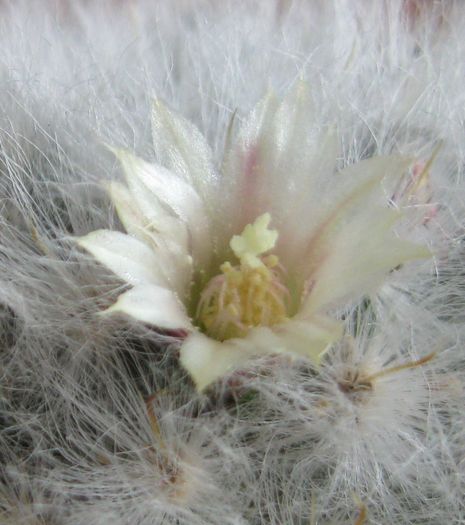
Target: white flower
pixel 249 261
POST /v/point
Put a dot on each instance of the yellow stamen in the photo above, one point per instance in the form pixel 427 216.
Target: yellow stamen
pixel 247 295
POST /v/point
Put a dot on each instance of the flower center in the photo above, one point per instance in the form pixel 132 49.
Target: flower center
pixel 249 294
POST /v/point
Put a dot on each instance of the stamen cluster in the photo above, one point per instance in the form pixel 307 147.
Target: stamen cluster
pixel 243 297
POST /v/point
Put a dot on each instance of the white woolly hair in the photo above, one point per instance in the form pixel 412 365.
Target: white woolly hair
pixel 99 424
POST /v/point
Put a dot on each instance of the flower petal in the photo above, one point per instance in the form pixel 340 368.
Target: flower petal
pixel 181 148
pixel 341 254
pixel 355 260
pixel 280 157
pixel 311 337
pixel 167 230
pixel 207 360
pixel 169 239
pixel 128 258
pixel 355 191
pixel 153 305
pixel 128 212
pixel 154 188
pixel 246 181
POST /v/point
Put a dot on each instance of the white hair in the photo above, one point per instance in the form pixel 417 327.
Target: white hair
pixel 99 424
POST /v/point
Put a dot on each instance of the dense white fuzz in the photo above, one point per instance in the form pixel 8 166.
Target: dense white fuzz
pixel 370 417
pixel 232 262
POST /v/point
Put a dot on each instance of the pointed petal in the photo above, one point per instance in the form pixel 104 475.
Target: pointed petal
pixel 312 337
pixel 335 199
pixel 128 258
pixel 357 192
pixel 386 168
pixel 246 181
pixel 181 148
pixel 129 214
pixel 208 360
pixel 154 188
pixel 171 229
pixel 153 305
pixel 298 150
pixel 357 259
pixel 148 205
pixel 280 158
pixel 168 240
pixel 297 220
pixel 165 229
pixel 164 185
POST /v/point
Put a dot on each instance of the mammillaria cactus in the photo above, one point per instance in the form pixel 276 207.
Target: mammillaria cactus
pixel 232 267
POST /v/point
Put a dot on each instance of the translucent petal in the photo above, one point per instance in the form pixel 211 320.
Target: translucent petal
pixel 167 236
pixel 245 182
pixel 356 259
pixel 153 305
pixel 357 190
pixel 357 197
pixel 129 213
pixel 311 337
pixel 280 158
pixel 128 258
pixel 308 185
pixel 207 360
pixel 297 144
pixel 167 231
pixel 157 190
pixel 148 205
pixel 181 147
